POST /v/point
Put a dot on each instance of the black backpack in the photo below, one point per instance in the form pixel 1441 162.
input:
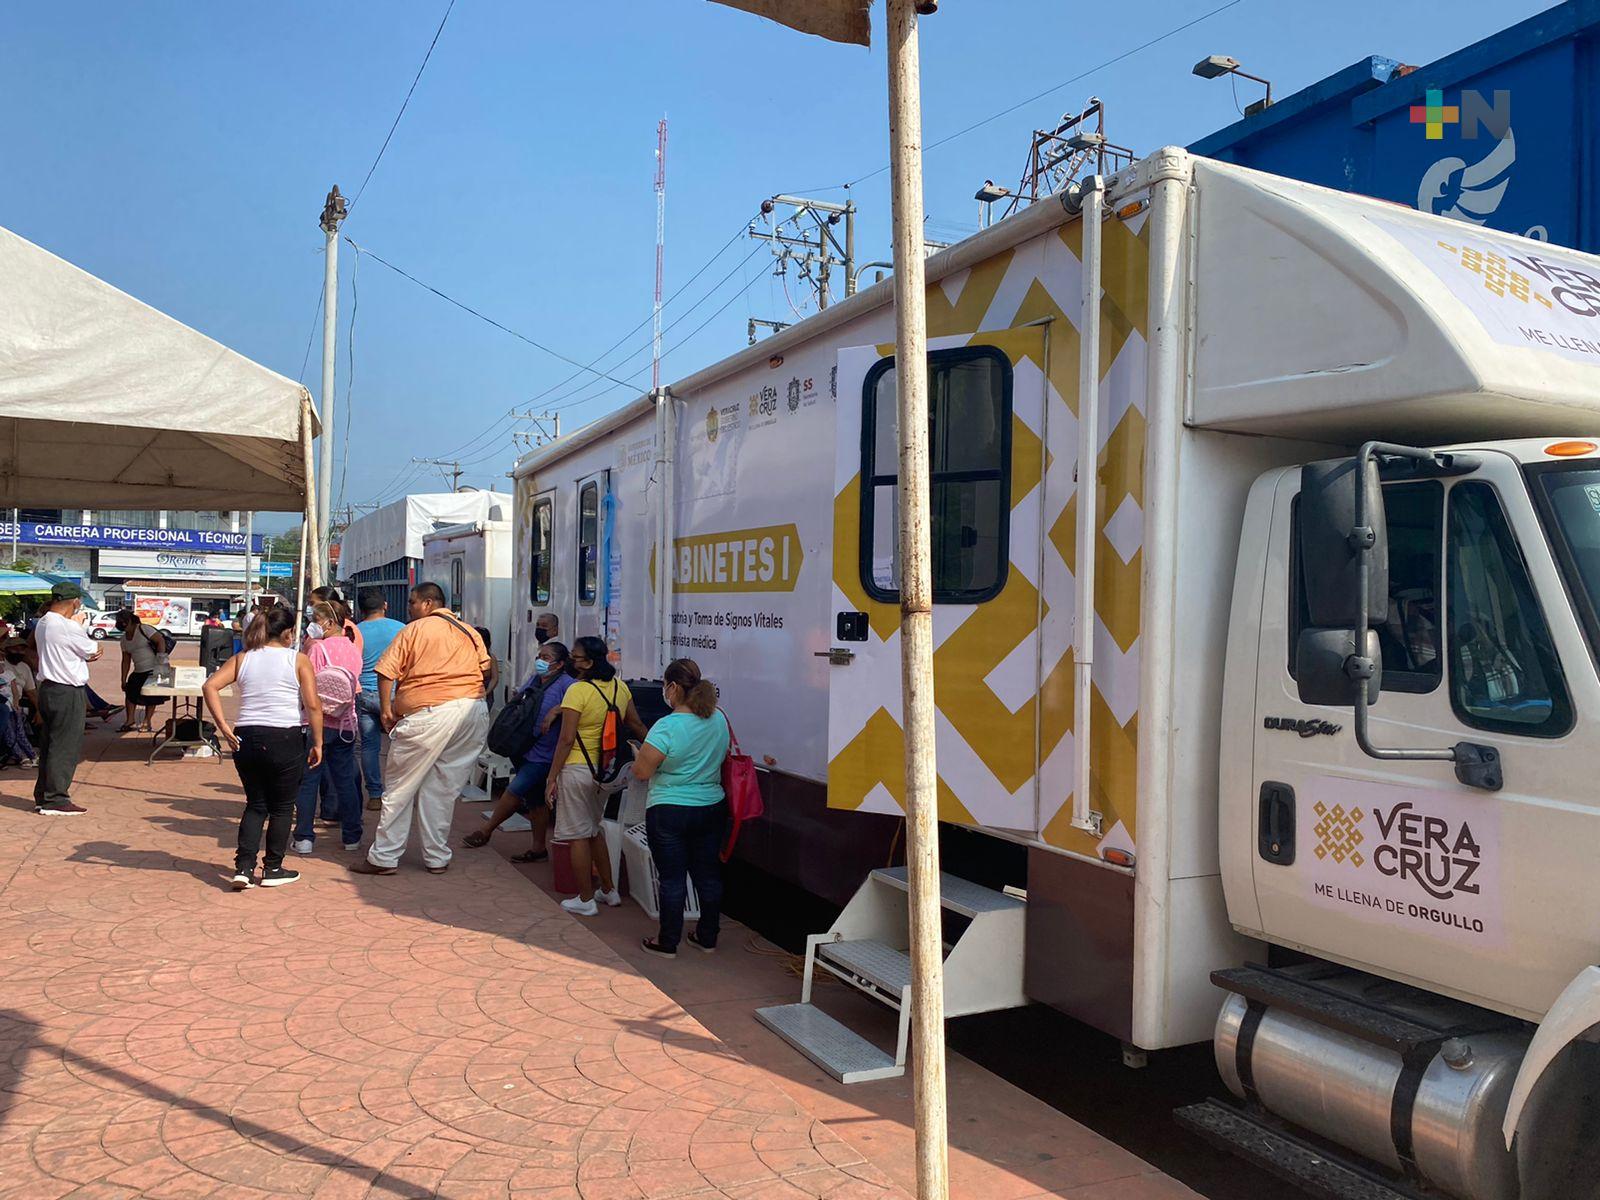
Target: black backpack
pixel 515 728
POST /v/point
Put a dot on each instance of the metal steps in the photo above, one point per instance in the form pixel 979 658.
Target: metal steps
pixel 872 962
pixel 866 948
pixel 847 1056
pixel 1316 1172
pixel 956 894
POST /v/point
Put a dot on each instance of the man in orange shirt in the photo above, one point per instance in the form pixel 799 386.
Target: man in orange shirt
pixel 431 681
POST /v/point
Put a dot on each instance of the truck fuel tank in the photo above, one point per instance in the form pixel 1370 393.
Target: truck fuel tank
pixel 1358 1094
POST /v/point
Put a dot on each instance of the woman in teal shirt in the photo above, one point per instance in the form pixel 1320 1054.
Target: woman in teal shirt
pixel 686 813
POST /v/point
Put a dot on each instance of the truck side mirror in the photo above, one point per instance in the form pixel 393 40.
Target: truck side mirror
pixel 1330 547
pixel 1320 668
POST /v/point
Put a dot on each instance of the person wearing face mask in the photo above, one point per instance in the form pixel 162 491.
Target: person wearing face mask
pixel 65 652
pixel 525 793
pixel 546 628
pixel 336 664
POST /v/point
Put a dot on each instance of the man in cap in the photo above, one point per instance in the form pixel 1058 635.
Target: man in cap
pixel 65 652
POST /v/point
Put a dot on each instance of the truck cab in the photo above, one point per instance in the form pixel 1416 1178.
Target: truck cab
pixel 1487 636
pixel 1445 838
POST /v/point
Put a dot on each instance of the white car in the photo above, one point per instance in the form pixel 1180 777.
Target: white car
pixel 101 625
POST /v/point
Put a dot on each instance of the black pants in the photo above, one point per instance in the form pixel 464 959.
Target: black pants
pixel 684 841
pixel 62 711
pixel 270 761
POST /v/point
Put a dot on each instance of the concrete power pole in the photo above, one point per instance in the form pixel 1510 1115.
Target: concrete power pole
pixel 333 212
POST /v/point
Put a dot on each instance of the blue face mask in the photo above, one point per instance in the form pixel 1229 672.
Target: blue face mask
pixel 541 666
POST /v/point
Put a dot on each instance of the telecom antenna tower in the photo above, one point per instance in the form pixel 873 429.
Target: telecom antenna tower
pixel 661 244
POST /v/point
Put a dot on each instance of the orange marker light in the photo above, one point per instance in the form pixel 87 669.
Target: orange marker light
pixel 1117 857
pixel 1570 449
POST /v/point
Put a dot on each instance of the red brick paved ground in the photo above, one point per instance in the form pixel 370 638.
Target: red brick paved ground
pixel 455 1036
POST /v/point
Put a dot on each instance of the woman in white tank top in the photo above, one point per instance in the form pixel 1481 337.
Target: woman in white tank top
pixel 277 700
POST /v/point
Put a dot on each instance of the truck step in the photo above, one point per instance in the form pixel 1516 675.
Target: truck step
pixel 847 1056
pixel 881 965
pixel 956 894
pixel 1314 1171
pixel 1301 991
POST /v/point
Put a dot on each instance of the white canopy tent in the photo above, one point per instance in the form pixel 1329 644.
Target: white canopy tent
pixel 107 403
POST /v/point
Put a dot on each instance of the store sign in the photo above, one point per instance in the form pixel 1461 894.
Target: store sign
pixel 171 563
pixel 111 537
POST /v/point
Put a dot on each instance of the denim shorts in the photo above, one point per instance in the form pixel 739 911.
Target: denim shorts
pixel 529 784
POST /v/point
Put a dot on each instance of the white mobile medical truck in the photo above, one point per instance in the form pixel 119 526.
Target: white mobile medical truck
pixel 472 563
pixel 1364 863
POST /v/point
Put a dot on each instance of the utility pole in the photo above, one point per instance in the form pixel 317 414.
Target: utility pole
pixel 758 323
pixel 814 243
pixel 449 467
pixel 916 603
pixel 661 246
pixel 333 213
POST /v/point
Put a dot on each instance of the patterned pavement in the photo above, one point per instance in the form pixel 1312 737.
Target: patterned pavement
pixel 450 1036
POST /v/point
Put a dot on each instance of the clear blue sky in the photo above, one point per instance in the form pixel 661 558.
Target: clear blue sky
pixel 182 152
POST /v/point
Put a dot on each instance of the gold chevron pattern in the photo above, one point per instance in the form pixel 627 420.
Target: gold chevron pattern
pixel 1004 669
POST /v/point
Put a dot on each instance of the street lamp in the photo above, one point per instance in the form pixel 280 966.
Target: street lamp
pixel 1215 66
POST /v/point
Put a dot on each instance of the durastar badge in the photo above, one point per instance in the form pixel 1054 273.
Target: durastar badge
pixel 1309 727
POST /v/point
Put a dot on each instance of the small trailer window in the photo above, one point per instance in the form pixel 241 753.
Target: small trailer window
pixel 969 451
pixel 588 543
pixel 539 556
pixel 1504 673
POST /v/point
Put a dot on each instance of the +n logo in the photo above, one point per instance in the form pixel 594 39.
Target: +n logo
pixel 1434 115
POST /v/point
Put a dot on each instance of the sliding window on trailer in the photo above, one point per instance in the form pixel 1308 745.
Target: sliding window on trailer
pixel 588 542
pixel 969 460
pixel 539 551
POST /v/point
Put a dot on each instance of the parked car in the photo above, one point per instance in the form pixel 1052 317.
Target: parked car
pixel 101 625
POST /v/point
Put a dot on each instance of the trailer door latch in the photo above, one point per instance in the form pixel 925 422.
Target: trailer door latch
pixel 837 656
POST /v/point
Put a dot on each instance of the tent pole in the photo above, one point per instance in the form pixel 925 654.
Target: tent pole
pixel 916 606
pixel 308 527
pixel 249 543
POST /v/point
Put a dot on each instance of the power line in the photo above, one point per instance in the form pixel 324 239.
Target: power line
pixel 1078 78
pixel 312 336
pixel 467 308
pixel 349 375
pixel 404 103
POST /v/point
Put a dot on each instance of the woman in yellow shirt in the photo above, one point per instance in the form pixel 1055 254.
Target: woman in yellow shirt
pixel 575 786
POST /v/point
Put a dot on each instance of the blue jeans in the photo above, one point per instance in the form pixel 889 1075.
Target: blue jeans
pixel 684 842
pixel 374 741
pixel 339 764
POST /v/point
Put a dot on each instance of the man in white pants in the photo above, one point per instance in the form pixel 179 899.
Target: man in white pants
pixel 431 683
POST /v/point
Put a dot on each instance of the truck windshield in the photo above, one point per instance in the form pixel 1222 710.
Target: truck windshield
pixel 1569 501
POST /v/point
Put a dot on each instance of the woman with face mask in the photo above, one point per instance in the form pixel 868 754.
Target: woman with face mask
pixel 525 793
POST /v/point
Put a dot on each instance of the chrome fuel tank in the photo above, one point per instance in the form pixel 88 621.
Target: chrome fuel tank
pixel 1344 1089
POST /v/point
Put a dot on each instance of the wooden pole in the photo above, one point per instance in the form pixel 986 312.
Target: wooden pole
pixel 916 606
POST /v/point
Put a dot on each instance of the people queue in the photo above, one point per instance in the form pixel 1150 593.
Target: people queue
pixel 380 715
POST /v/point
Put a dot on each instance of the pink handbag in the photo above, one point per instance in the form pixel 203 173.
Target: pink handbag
pixel 741 787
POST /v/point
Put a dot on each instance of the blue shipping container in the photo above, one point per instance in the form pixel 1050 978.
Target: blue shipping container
pixel 1501 133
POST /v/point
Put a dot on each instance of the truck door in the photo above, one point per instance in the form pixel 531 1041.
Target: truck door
pixel 986 406
pixel 1395 865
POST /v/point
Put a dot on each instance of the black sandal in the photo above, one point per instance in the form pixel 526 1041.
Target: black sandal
pixel 475 839
pixel 531 856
